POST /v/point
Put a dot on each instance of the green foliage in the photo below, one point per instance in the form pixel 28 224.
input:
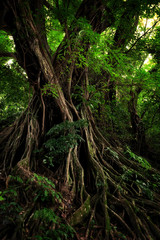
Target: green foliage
pixel 61 12
pixel 128 174
pixel 47 215
pixel 108 62
pixel 133 177
pixel 46 190
pixel 14 90
pixel 145 187
pixel 105 57
pixel 78 96
pixel 1 198
pixel 86 33
pixel 50 90
pixel 62 137
pixel 63 231
pixel 155 185
pixel 6 44
pixel 11 218
pixel 94 100
pixel 9 202
pixel 148 107
pixel 52 226
pixel 95 97
pixel 113 153
pixel 17 178
pixel 55 36
pixel 13 213
pixel 9 196
pixel 142 161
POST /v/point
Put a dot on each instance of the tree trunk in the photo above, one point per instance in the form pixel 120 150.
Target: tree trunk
pixel 92 169
pixel 138 131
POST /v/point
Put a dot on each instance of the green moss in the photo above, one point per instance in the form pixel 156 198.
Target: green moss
pixel 81 213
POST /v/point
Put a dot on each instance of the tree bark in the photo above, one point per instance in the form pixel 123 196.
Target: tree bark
pixel 138 131
pixel 92 169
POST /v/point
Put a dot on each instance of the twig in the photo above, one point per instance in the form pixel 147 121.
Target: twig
pixel 141 37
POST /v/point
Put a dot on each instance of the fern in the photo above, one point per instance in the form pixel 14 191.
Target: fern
pixel 62 137
pixel 65 126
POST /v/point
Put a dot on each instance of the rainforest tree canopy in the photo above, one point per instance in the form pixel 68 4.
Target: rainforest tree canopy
pixel 80 113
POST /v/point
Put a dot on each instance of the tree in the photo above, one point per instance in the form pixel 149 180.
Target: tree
pixel 93 169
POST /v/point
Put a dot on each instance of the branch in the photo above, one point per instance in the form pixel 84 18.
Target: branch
pixel 48 5
pixel 8 54
pixel 51 8
pixel 141 37
pixel 95 12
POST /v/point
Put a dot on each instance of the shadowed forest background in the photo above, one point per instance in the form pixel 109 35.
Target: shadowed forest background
pixel 79 119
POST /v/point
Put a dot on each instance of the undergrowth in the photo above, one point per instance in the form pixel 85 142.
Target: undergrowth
pixel 32 209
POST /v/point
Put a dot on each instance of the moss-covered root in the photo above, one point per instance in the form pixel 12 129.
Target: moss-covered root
pixel 81 213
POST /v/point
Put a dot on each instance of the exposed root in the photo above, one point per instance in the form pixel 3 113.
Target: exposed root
pixel 80 214
pixel 107 202
pixel 20 139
